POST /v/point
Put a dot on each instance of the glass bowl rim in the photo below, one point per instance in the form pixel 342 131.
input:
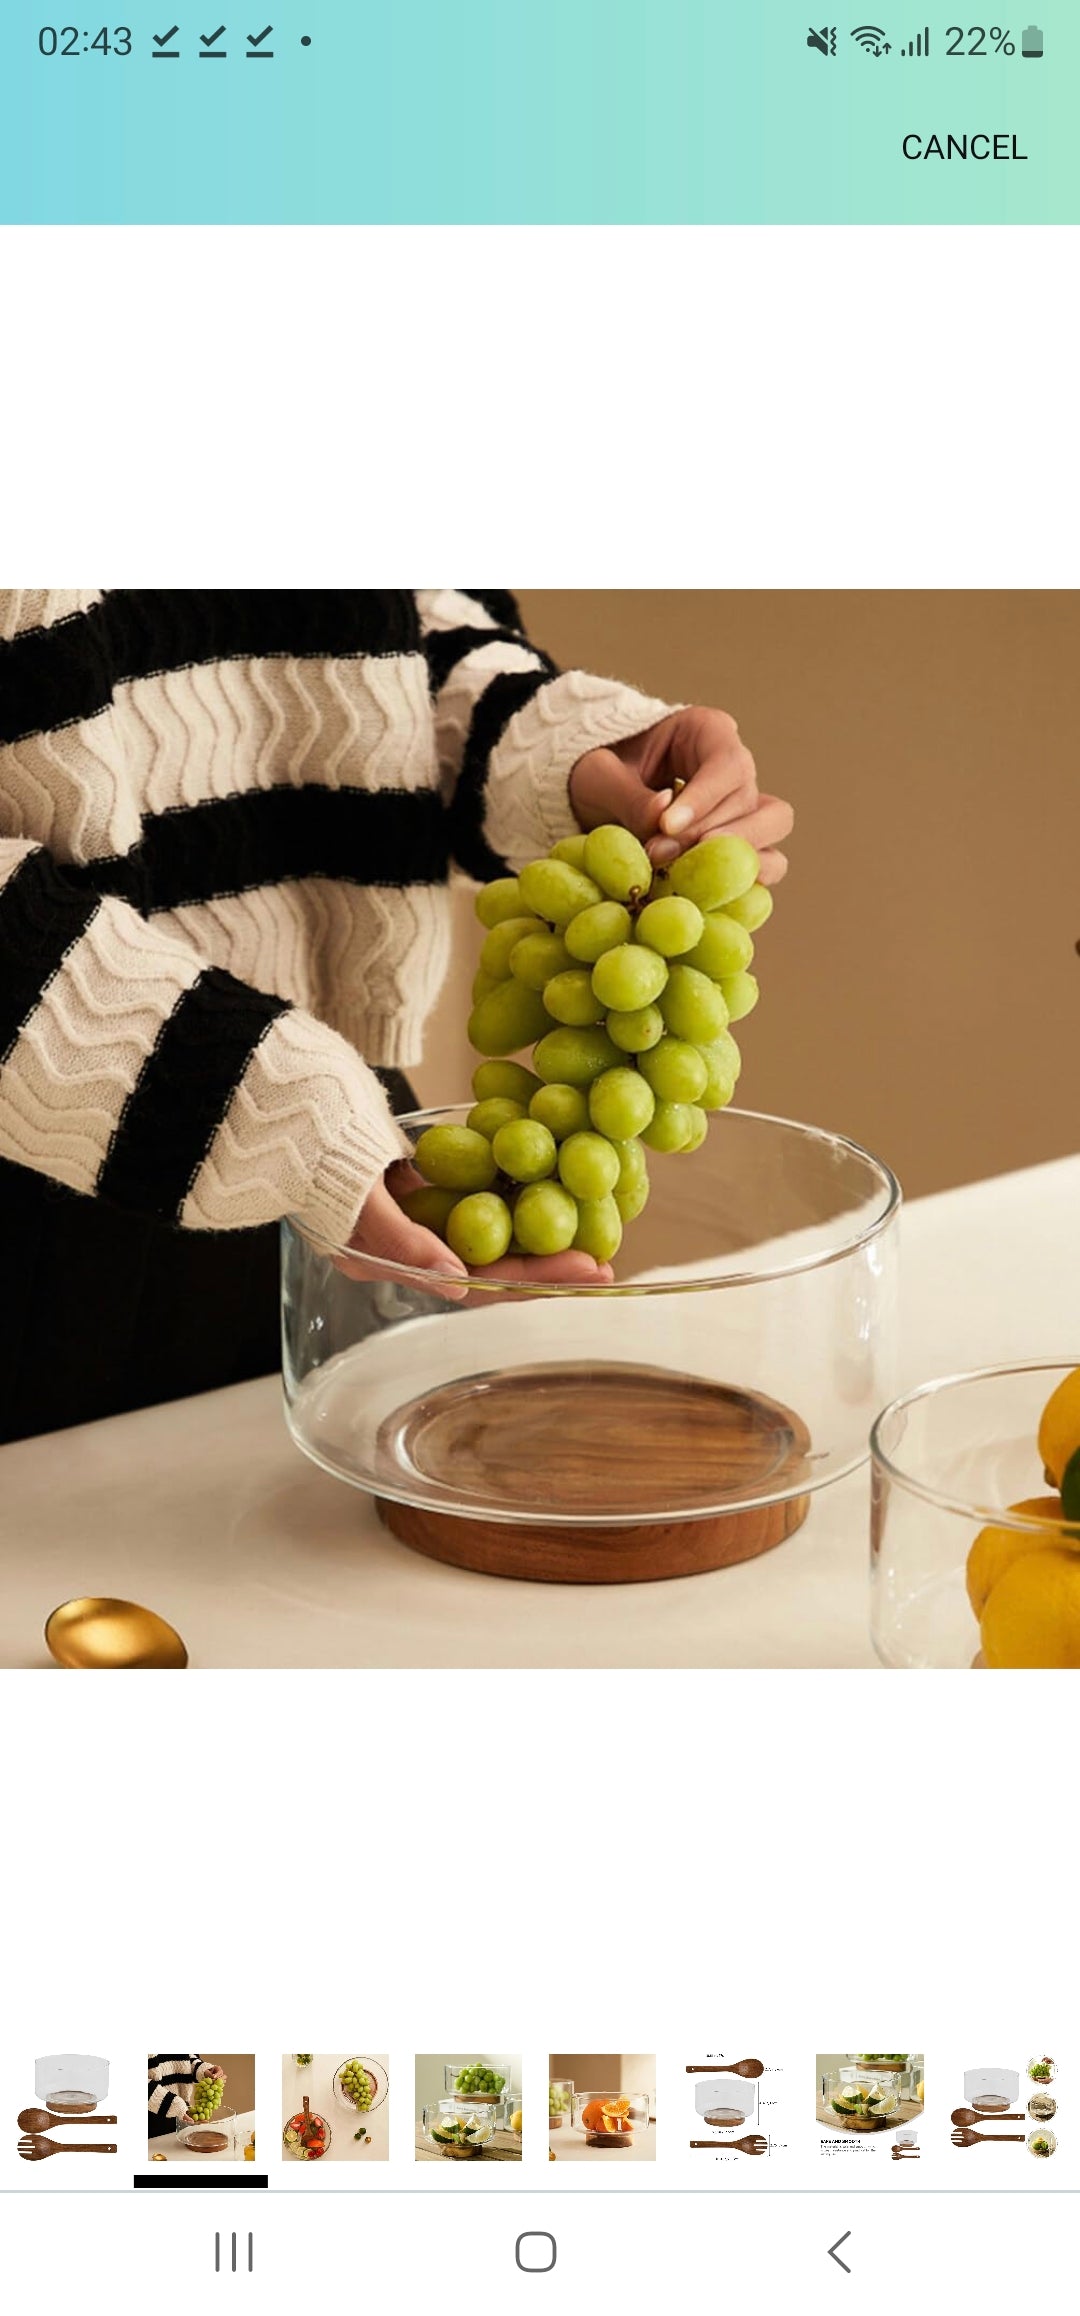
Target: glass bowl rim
pixel 448 1112
pixel 370 2066
pixel 988 1515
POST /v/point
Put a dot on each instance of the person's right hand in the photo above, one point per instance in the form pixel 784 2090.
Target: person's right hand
pixel 384 1233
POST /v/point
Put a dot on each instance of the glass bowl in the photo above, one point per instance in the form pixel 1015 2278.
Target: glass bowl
pixel 736 1362
pixel 560 2102
pixel 1042 2143
pixel 948 1461
pixel 724 2100
pixel 71 2081
pixel 860 2101
pixel 451 2078
pixel 609 2119
pixel 306 2136
pixel 458 2127
pixel 215 2138
pixel 377 2079
pixel 992 2089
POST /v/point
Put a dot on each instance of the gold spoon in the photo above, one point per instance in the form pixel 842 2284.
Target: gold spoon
pixel 105 1635
pixel 41 2119
pixel 35 2150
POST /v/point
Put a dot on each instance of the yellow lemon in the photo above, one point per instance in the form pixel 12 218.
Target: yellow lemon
pixel 516 2120
pixel 1059 1427
pixel 1032 1617
pixel 995 1549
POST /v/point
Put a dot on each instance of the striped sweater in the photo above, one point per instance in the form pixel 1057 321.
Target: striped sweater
pixel 171 2077
pixel 227 822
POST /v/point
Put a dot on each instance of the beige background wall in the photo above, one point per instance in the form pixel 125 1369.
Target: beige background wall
pixel 240 2073
pixel 616 2074
pixel 920 988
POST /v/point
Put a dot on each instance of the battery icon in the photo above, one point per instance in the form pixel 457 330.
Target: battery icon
pixel 1031 41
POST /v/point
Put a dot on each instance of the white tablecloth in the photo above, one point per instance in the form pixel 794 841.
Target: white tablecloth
pixel 205 1511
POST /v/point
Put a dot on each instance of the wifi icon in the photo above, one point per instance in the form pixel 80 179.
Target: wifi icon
pixel 872 39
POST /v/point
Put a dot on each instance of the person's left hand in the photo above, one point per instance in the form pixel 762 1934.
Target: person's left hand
pixel 634 783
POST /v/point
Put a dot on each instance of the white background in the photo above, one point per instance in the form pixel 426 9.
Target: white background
pixel 645 1861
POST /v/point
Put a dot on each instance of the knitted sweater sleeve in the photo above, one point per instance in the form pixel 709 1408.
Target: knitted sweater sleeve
pixel 133 1070
pixel 510 727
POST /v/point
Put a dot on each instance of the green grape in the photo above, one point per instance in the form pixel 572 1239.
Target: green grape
pixel 357 2085
pixel 538 958
pixel 504 1081
pixel 741 994
pixel 570 998
pixel 556 891
pixel 486 1117
pixel 509 1017
pixel 635 1032
pixel 479 1227
pixel 483 984
pixel 571 848
pixel 574 1057
pixel 502 940
pixel 498 900
pixel 589 1165
pixel 205 2100
pixel 620 864
pixel 719 1078
pixel 525 1151
pixel 676 1070
pixel 670 926
pixel 596 929
pixel 429 1206
pixel 699 1127
pixel 620 1104
pixel 562 1109
pixel 455 1158
pixel 714 872
pixel 752 909
pixel 670 1126
pixel 692 1005
pixel 724 947
pixel 545 1218
pixel 727 1052
pixel 629 977
pixel 632 1188
pixel 599 1230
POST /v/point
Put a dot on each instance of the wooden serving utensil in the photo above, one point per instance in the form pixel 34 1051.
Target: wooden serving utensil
pixel 971 2115
pixel 966 2138
pixel 38 2119
pixel 35 2150
pixel 749 2068
pixel 753 2144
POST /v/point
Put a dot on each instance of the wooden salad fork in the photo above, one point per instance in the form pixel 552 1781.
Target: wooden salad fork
pixel 34 2150
pixel 753 2144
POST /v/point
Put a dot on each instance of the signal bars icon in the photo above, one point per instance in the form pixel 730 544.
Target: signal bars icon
pixel 920 45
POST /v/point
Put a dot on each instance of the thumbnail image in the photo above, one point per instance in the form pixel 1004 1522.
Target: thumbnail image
pixel 468 2106
pixel 335 2106
pixel 863 2093
pixel 69 2089
pixel 995 2096
pixel 201 2107
pixel 601 2105
pixel 725 2117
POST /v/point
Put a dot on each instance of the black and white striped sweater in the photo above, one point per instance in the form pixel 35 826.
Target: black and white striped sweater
pixel 171 2077
pixel 227 822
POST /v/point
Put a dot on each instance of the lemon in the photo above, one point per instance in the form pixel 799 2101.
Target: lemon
pixel 1059 1427
pixel 995 1549
pixel 1032 1617
pixel 516 2120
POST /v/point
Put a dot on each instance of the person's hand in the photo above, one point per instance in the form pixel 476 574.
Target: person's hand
pixel 214 2075
pixel 384 1233
pixel 634 783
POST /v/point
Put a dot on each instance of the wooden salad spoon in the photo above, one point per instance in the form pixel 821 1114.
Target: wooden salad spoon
pixel 35 2150
pixel 964 2138
pixel 38 2119
pixel 971 2116
pixel 749 2068
pixel 753 2144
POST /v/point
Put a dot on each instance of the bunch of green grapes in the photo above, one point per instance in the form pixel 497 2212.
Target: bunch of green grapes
pixel 478 2078
pixel 205 2099
pixel 356 2083
pixel 624 982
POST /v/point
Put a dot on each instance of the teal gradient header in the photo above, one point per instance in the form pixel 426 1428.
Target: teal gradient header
pixel 528 112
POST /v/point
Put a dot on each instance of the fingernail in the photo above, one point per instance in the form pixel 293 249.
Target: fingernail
pixel 660 852
pixel 677 816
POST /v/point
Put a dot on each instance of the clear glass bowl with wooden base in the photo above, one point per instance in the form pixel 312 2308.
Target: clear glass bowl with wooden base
pixel 677 1421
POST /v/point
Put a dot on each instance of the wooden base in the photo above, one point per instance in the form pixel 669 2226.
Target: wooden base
pixel 621 1436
